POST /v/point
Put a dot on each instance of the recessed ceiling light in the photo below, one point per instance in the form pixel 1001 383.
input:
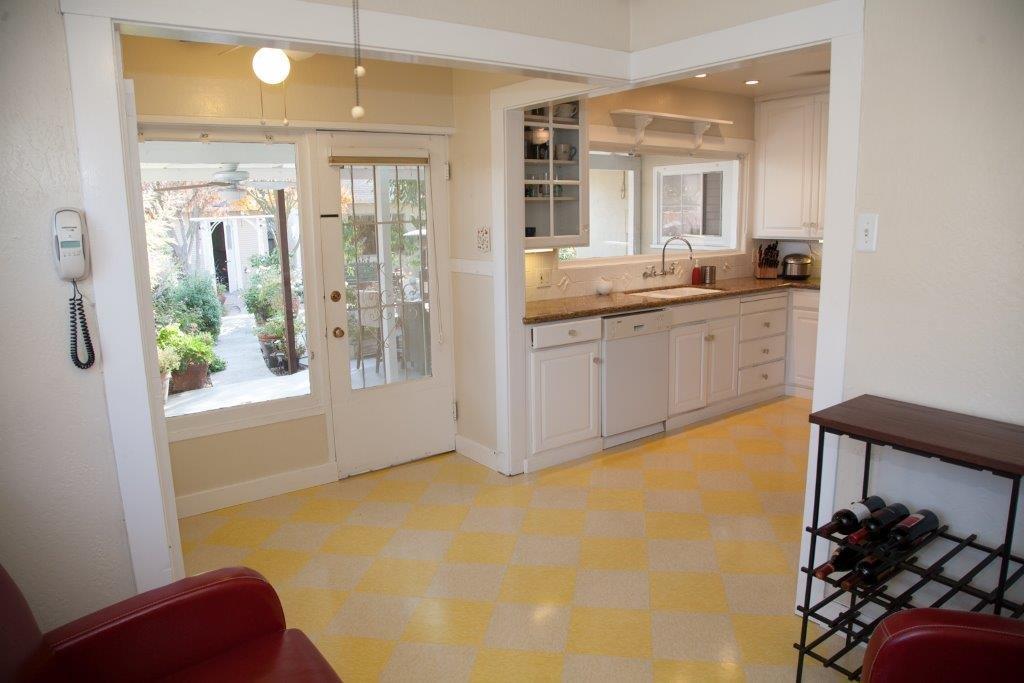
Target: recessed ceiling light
pixel 752 82
pixel 701 76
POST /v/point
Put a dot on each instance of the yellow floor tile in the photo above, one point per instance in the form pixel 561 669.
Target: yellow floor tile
pixel 631 459
pixel 753 557
pixel 278 566
pixel 357 540
pixel 788 528
pixel 398 577
pixel 613 553
pixel 613 632
pixel 777 481
pixel 395 491
pixel 578 476
pixel 515 666
pixel 766 639
pixel 731 502
pixel 449 622
pixel 616 499
pixel 356 659
pixel 436 517
pixel 482 548
pixel 688 591
pixel 538 585
pixel 677 480
pixel 668 671
pixel 461 472
pixel 504 496
pixel 327 510
pixel 688 526
pixel 242 532
pixel 554 522
pixel 762 446
pixel 310 609
pixel 717 461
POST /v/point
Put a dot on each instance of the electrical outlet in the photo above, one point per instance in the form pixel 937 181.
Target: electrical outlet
pixel 544 277
pixel 483 240
pixel 867 232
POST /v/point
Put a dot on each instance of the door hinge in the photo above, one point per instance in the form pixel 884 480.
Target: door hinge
pixel 455 410
pixel 447 171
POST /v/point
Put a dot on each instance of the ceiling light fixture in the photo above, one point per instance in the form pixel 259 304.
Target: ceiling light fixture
pixel 271 65
pixel 752 82
pixel 701 76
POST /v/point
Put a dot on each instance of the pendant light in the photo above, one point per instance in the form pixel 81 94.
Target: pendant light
pixel 271 65
pixel 359 70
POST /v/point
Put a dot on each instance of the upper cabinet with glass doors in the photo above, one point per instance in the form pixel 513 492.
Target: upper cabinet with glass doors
pixel 791 141
pixel 555 175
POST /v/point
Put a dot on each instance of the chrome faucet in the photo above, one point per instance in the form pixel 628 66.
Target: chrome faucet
pixel 665 246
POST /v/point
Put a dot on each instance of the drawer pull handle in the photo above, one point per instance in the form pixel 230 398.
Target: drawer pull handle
pixel 765 351
pixel 573 333
pixel 710 337
pixel 597 360
pixel 767 323
pixel 764 376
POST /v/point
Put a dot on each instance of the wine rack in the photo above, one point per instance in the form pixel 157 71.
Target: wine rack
pixel 848 616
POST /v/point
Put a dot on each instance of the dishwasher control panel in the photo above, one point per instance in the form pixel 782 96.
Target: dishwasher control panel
pixel 636 324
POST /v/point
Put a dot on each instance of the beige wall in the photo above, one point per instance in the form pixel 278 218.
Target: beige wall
pixel 656 22
pixel 590 22
pixel 174 78
pixel 937 313
pixel 211 462
pixel 675 99
pixel 62 536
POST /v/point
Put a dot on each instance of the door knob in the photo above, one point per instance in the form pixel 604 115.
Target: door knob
pixel 335 296
pixel 338 332
pixel 764 376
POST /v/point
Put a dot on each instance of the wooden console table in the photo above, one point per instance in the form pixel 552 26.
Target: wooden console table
pixel 955 438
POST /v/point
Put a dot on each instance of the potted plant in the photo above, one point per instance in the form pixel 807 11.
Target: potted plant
pixel 196 355
pixel 273 343
pixel 169 361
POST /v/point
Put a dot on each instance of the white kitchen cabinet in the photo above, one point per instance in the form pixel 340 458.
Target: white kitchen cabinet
pixel 565 395
pixel 803 340
pixel 723 358
pixel 687 368
pixel 790 147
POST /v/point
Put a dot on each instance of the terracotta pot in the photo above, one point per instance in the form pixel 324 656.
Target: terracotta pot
pixel 194 376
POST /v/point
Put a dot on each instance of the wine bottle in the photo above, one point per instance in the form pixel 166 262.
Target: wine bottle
pixel 879 523
pixel 844 557
pixel 910 529
pixel 870 571
pixel 848 520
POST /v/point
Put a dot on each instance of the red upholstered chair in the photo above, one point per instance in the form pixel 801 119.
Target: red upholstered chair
pixel 226 625
pixel 940 645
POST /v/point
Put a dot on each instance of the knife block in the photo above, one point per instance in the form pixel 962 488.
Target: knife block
pixel 766 272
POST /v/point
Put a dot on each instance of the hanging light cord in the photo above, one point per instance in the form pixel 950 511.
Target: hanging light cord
pixel 358 46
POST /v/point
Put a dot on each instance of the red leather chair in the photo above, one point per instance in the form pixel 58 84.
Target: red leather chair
pixel 226 625
pixel 939 645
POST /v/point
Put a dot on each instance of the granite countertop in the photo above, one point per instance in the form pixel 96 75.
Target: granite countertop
pixel 550 310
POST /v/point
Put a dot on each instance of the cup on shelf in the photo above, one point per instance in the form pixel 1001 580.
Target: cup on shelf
pixel 565 152
pixel 566 110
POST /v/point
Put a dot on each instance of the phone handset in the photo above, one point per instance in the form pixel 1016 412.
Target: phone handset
pixel 70 253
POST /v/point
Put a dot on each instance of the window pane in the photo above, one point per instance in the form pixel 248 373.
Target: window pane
pixel 713 184
pixel 389 331
pixel 682 205
pixel 228 333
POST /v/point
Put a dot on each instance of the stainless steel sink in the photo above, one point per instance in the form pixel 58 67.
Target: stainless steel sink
pixel 676 292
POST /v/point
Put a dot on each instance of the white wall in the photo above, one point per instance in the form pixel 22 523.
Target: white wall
pixel 62 536
pixel 937 314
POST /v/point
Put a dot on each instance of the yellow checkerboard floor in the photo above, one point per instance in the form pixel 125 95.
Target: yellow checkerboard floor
pixel 673 559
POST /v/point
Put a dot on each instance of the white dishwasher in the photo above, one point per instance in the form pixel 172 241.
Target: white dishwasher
pixel 634 374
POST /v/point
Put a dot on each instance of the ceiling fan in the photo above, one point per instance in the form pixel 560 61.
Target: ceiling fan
pixel 234 181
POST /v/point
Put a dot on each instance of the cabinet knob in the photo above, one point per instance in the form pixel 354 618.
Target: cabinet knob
pixel 573 333
pixel 765 351
pixel 764 376
pixel 767 323
pixel 597 360
pixel 710 337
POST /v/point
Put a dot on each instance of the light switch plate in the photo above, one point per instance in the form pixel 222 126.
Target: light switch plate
pixel 867 232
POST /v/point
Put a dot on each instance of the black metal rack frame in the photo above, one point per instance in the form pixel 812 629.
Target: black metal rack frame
pixel 855 627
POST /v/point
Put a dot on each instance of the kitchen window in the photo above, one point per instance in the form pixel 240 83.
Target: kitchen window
pixel 697 201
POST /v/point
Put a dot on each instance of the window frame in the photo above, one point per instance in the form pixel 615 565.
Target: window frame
pixel 260 413
pixel 731 170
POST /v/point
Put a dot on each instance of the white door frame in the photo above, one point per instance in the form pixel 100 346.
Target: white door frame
pixel 105 152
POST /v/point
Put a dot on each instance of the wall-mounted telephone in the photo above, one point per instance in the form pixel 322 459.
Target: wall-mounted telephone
pixel 71 256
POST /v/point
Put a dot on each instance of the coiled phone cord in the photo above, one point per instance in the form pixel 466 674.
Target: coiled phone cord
pixel 77 310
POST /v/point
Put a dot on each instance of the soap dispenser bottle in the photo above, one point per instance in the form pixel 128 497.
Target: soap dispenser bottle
pixel 695 273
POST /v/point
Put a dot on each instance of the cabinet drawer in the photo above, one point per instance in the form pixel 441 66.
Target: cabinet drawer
pixel 768 303
pixel 569 332
pixel 705 310
pixel 767 324
pixel 805 299
pixel 762 376
pixel 764 350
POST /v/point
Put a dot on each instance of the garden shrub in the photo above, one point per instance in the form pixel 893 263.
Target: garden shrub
pixel 190 302
pixel 190 348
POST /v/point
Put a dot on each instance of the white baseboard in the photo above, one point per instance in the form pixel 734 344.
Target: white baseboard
pixel 477 452
pixel 556 456
pixel 633 435
pixel 716 409
pixel 799 392
pixel 255 489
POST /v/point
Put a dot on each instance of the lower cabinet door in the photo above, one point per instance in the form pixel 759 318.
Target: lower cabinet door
pixel 687 368
pixel 565 393
pixel 723 358
pixel 803 331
